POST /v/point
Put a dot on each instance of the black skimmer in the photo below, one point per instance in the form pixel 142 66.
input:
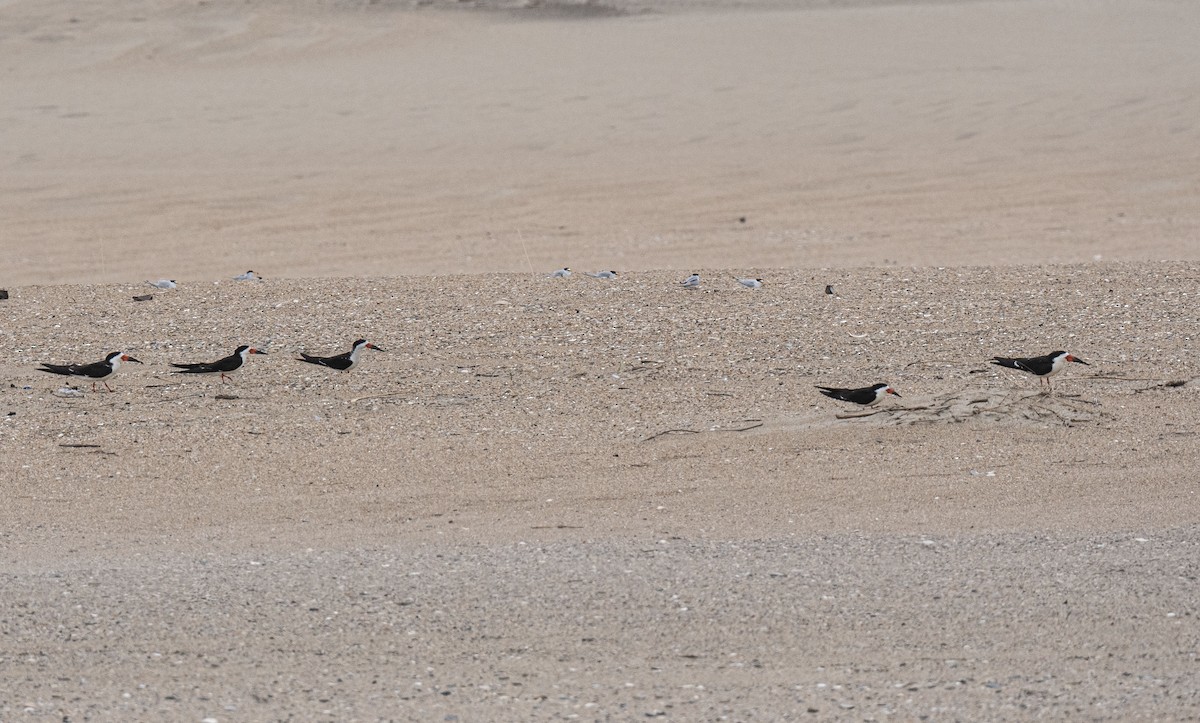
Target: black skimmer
pixel 341 362
pixel 562 273
pixel 224 366
pixel 866 395
pixel 691 282
pixel 96 371
pixel 1043 366
pixel 603 274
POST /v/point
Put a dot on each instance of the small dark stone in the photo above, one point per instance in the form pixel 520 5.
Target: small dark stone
pixel 829 289
pixel 3 294
pixel 143 297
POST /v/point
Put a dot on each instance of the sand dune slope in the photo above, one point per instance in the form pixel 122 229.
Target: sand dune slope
pixel 359 139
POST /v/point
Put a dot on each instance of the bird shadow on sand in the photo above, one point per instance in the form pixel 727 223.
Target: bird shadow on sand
pixel 990 405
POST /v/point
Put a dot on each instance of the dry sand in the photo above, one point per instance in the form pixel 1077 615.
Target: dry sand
pixel 608 500
pixel 358 139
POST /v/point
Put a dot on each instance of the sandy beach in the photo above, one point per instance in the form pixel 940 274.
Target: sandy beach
pixel 600 499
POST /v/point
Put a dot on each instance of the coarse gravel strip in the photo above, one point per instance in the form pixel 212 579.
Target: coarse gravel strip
pixel 1097 627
